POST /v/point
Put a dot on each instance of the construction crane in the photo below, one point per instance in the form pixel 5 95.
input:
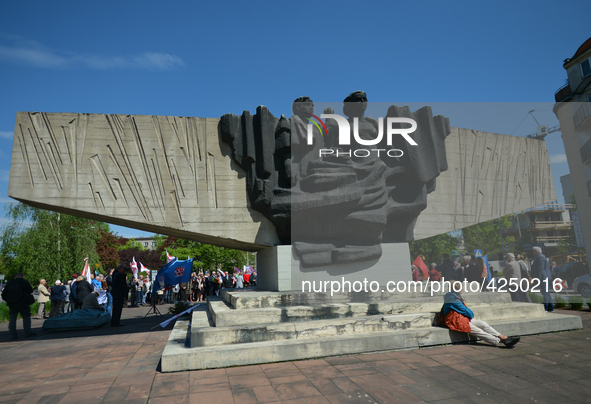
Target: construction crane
pixel 542 130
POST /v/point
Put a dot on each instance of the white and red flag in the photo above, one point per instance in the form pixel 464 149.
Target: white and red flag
pixel 169 257
pixel 86 270
pixel 133 265
pixel 143 268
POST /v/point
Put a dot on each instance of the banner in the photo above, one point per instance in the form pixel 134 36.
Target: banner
pixel 173 273
pixel 422 266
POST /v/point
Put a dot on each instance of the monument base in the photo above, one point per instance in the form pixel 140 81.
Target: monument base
pixel 280 270
pixel 245 327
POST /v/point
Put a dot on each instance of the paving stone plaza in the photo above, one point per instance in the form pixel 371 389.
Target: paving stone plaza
pixel 122 365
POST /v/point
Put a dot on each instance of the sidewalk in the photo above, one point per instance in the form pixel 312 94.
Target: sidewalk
pixel 117 365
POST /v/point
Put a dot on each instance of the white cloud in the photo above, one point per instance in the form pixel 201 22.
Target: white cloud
pixel 6 135
pixel 32 53
pixel 558 158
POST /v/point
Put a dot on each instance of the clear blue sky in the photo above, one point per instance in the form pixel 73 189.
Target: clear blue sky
pixel 192 58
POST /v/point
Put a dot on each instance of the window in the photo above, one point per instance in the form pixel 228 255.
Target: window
pixel 586 68
pixel 146 244
pixel 153 244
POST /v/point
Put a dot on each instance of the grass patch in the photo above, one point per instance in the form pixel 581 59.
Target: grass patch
pixel 575 303
pixel 5 311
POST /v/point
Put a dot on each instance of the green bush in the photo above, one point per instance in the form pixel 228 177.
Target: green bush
pixel 559 303
pixel 589 304
pixel 4 311
pixel 536 297
pixel 575 303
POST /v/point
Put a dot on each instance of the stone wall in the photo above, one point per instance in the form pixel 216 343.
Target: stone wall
pixel 160 174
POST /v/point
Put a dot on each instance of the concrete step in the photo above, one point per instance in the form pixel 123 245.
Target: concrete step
pixel 202 334
pixel 177 356
pixel 241 299
pixel 224 315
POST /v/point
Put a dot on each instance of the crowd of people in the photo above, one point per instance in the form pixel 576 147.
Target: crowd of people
pixel 75 293
pixel 204 284
pixel 475 270
pixel 472 270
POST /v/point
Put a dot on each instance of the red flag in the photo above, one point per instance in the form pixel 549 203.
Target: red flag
pixel 143 268
pixel 421 265
pixel 86 270
pixel 169 257
pixel 134 268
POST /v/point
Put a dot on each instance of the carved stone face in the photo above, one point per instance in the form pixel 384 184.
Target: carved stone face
pixel 303 108
pixel 355 104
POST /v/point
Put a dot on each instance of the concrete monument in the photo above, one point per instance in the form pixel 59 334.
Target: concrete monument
pixel 253 182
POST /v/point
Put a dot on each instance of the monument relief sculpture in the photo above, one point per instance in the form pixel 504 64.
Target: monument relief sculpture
pixel 337 208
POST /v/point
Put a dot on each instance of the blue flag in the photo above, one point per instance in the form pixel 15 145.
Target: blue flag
pixel 172 273
pixel 489 274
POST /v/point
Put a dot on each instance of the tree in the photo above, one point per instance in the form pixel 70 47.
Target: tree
pixel 131 243
pixel 431 249
pixel 485 236
pixel 150 258
pixel 107 248
pixel 205 256
pixel 45 244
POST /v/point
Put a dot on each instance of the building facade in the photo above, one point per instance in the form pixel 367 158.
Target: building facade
pixel 545 226
pixel 147 242
pixel 573 109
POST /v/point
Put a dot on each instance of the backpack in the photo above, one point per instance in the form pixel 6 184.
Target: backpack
pixel 12 293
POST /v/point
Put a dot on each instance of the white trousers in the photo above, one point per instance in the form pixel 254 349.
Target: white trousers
pixel 481 330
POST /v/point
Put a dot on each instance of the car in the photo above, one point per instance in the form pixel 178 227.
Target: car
pixel 583 285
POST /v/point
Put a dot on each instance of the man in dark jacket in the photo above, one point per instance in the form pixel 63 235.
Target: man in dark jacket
pixel 541 270
pixel 57 297
pixel 207 286
pixel 471 271
pixel 73 294
pixel 228 281
pixel 119 292
pixel 15 294
pixel 446 268
pixel 91 302
pixel 83 289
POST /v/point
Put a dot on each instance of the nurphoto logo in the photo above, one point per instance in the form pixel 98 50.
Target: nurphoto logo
pixel 393 127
